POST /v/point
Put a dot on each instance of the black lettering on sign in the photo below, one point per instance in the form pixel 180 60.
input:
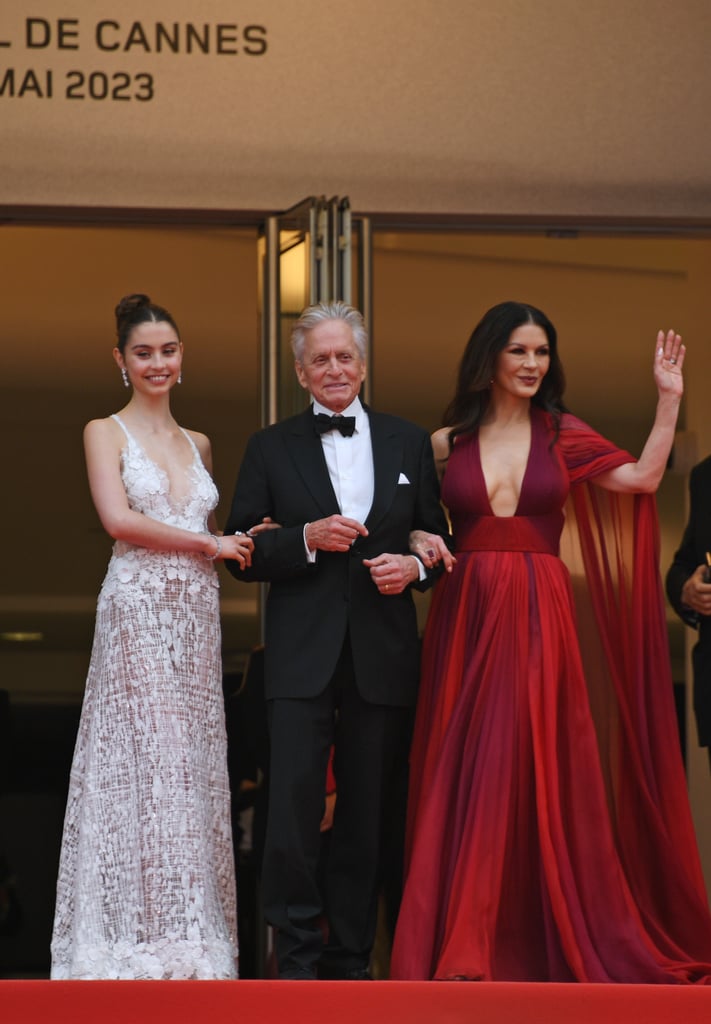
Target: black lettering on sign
pixel 122 85
pixel 171 37
pixel 200 39
pixel 226 41
pixel 75 82
pixel 175 37
pixel 105 35
pixel 118 86
pixel 39 33
pixel 26 83
pixel 137 37
pixel 257 36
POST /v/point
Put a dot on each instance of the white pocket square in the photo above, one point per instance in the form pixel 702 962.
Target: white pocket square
pixel 402 479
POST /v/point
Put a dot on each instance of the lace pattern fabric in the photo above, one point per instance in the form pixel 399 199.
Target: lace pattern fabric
pixel 146 884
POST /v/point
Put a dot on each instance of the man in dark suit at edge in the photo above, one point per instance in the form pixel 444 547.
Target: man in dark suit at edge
pixel 689 591
pixel 341 647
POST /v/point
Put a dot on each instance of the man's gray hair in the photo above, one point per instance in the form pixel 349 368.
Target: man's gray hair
pixel 318 314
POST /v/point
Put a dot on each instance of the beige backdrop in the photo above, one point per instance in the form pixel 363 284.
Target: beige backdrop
pixel 494 106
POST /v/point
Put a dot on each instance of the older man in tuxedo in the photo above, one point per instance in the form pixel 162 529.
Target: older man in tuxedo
pixel 346 487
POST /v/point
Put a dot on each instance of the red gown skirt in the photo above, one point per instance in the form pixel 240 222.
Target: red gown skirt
pixel 549 835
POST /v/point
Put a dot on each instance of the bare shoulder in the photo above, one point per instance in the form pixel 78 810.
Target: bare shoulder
pixel 202 443
pixel 104 440
pixel 103 431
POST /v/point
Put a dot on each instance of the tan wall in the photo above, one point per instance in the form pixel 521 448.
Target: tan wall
pixel 493 106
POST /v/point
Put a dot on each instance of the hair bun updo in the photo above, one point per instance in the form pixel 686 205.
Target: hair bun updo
pixel 136 309
pixel 127 307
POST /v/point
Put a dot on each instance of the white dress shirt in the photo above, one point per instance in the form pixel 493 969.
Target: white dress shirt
pixel 350 462
pixel 350 467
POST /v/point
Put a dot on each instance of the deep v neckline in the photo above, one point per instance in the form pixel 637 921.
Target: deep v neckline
pixel 524 477
pixel 190 470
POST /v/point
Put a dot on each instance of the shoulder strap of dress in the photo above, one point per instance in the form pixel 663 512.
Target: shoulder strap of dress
pixel 115 416
pixel 192 444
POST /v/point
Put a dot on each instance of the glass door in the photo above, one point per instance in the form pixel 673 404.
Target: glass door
pixel 315 251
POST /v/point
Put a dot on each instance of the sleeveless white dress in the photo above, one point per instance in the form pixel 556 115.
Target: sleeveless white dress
pixel 146 884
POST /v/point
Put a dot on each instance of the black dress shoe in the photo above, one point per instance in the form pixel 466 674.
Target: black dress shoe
pixel 297 974
pixel 328 972
pixel 358 974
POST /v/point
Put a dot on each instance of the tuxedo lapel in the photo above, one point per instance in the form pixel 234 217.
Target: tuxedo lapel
pixel 306 451
pixel 387 463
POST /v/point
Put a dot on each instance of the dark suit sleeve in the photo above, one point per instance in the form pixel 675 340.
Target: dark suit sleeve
pixel 688 557
pixel 280 553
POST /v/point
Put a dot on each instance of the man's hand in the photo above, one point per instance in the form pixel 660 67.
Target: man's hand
pixel 696 593
pixel 336 533
pixel 392 573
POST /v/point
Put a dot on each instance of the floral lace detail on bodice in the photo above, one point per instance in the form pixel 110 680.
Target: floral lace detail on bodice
pixel 148 489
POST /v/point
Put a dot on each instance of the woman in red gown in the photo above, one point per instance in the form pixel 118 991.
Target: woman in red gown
pixel 549 832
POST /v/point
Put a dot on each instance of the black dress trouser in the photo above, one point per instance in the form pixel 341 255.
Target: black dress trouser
pixel 296 894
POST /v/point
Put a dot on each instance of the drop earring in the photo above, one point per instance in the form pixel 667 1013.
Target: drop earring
pixel 124 377
pixel 180 377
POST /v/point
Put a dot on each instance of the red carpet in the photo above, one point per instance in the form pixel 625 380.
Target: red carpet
pixel 273 1002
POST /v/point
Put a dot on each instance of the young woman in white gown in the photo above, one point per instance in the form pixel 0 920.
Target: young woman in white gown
pixel 146 884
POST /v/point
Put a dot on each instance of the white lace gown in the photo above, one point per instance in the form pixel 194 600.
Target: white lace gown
pixel 146 884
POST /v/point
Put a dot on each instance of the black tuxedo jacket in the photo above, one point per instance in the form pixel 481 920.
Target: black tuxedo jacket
pixel 311 606
pixel 691 554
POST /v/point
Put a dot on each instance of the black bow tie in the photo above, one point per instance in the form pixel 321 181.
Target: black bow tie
pixel 324 423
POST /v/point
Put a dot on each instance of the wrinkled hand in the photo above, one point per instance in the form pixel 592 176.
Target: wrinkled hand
pixel 668 363
pixel 431 549
pixel 335 533
pixel 392 573
pixel 696 593
pixel 239 547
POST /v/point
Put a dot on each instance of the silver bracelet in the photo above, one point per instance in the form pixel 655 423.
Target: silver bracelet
pixel 218 549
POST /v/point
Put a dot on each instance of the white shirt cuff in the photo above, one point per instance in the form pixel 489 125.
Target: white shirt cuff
pixel 310 555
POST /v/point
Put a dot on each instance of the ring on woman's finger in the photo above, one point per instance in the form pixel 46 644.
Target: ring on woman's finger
pixel 672 360
pixel 430 552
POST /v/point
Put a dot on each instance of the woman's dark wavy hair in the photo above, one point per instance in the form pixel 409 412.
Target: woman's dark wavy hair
pixel 136 309
pixel 478 363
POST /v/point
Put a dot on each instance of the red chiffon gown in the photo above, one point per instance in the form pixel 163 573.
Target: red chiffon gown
pixel 549 832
